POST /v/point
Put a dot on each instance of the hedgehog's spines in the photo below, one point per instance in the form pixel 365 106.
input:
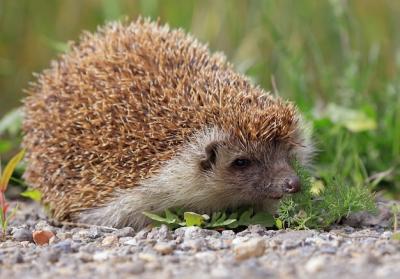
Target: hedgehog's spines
pixel 123 101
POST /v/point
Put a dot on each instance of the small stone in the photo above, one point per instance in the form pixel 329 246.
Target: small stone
pixel 147 257
pixel 228 234
pixel 256 229
pixel 101 256
pixel 85 257
pixel 164 248
pixel 216 244
pixel 387 234
pixel 164 232
pixel 161 233
pixel 125 232
pixel 195 244
pixel 26 244
pixel 142 234
pixel 44 226
pixel 252 248
pixel 136 267
pixel 315 264
pixel 191 232
pixel 80 235
pixel 64 246
pixel 328 250
pixel 154 265
pixel 22 234
pixel 239 240
pixel 54 239
pixel 128 241
pixel 94 232
pixel 297 236
pixel 208 257
pixel 290 244
pixel 17 258
pixel 221 272
pixel 90 248
pixel 64 235
pixel 42 237
pixel 110 240
pixel 52 256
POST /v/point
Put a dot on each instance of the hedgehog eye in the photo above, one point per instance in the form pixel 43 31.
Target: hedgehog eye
pixel 241 163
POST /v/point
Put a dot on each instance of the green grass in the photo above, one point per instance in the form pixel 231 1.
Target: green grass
pixel 337 60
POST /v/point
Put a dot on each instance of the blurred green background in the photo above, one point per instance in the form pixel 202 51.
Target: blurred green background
pixel 338 60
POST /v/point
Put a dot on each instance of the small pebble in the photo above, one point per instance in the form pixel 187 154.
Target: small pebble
pixel 125 232
pixel 387 234
pixel 42 237
pixel 110 240
pixel 64 235
pixel 164 248
pixel 94 232
pixel 252 248
pixel 64 246
pixel 147 257
pixel 17 258
pixel 101 256
pixel 193 244
pixel 315 264
pixel 128 241
pixel 208 257
pixel 52 256
pixel 220 271
pixel 136 267
pixel 22 234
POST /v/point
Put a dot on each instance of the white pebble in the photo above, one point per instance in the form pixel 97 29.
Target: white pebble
pixel 315 264
pixel 252 248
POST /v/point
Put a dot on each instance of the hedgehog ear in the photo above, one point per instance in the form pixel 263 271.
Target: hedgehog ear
pixel 210 156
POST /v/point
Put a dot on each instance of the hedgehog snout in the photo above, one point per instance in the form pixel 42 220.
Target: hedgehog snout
pixel 292 185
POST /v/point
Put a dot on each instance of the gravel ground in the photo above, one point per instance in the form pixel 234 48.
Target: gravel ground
pixel 93 252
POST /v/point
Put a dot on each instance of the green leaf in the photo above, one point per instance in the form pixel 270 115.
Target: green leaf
pixel 2 222
pixel 12 122
pixel 193 219
pixel 245 218
pixel 224 223
pixel 354 120
pixel 158 218
pixel 396 236
pixel 215 216
pixel 5 146
pixel 9 217
pixel 33 194
pixel 317 187
pixel 9 169
pixel 279 223
pixel 171 216
pixel 58 46
pixel 264 219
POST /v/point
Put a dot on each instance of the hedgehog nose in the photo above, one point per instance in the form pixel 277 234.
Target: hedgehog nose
pixel 292 185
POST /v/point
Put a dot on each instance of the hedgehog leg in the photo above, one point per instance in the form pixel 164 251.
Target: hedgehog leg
pixel 126 208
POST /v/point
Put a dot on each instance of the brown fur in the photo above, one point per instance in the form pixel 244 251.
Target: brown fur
pixel 124 105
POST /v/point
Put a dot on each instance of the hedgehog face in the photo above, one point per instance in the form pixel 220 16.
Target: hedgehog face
pixel 253 173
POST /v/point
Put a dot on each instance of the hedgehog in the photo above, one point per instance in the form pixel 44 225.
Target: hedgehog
pixel 140 117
